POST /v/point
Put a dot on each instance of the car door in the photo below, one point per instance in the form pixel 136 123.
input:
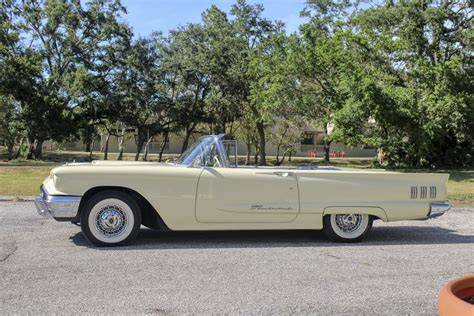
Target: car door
pixel 246 195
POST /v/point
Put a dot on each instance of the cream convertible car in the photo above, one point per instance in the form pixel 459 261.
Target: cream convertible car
pixel 206 190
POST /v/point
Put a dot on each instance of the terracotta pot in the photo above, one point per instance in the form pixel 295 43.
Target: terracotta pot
pixel 454 295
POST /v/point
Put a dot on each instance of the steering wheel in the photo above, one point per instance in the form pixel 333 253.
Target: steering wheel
pixel 216 162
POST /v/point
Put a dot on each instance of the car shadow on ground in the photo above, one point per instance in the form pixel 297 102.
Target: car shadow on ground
pixel 383 236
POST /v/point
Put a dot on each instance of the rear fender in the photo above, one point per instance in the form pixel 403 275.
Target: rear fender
pixel 369 210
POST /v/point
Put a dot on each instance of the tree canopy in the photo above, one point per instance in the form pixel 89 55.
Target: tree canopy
pixel 392 75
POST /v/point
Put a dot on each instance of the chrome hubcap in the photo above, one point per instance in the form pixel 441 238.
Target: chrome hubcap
pixel 348 222
pixel 111 221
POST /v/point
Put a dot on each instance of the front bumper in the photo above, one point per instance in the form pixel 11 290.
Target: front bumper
pixel 60 207
pixel 438 209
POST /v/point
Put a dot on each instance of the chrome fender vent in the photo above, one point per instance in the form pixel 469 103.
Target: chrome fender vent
pixel 414 192
pixel 433 192
pixel 423 192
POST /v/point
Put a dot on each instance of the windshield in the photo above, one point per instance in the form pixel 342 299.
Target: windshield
pixel 196 153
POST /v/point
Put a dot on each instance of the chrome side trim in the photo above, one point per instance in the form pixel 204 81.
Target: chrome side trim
pixel 438 209
pixel 57 206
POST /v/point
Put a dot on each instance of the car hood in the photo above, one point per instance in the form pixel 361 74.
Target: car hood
pixel 91 167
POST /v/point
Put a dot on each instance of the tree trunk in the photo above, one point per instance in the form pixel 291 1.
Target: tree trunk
pixel 249 150
pixel 218 129
pixel 163 145
pixel 120 144
pixel 88 145
pixel 277 155
pixel 10 144
pixel 230 132
pixel 326 148
pixel 10 150
pixel 261 136
pixel 188 133
pixel 279 163
pixel 140 142
pixel 381 156
pixel 106 146
pixel 18 152
pixel 35 150
pixel 255 158
pixel 91 148
pixel 31 148
pixel 39 149
pixel 147 148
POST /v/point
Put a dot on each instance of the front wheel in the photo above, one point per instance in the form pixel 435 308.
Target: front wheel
pixel 110 218
pixel 347 227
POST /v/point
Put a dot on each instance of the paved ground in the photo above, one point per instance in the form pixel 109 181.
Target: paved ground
pixel 48 267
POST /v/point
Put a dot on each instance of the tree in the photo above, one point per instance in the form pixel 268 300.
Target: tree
pixel 319 61
pixel 222 54
pixel 143 99
pixel 246 132
pixel 62 40
pixel 188 77
pixel 276 92
pixel 10 129
pixel 395 75
pixel 408 88
pixel 96 93
pixel 285 135
pixel 252 31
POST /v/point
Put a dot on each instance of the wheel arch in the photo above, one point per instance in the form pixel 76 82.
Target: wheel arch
pixel 375 211
pixel 150 216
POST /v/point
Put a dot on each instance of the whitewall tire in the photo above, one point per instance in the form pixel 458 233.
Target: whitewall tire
pixel 110 218
pixel 347 227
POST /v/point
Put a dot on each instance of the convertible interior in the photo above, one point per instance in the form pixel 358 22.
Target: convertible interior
pixel 214 151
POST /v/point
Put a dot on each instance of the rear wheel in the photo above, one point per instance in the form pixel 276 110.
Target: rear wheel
pixel 347 227
pixel 110 218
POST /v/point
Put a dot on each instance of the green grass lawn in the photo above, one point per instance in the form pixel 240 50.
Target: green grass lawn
pixel 23 177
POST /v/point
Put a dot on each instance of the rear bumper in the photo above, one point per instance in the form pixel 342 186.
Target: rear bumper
pixel 438 209
pixel 60 207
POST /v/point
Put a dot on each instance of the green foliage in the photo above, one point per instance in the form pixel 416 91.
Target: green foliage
pixel 62 42
pixel 141 93
pixel 225 61
pixel 409 85
pixel 256 38
pixel 285 135
pixel 186 63
pixel 396 76
pixel 10 128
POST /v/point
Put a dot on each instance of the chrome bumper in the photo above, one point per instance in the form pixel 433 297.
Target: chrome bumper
pixel 438 209
pixel 62 207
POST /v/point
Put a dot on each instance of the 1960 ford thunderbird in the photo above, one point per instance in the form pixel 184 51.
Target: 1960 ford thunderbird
pixel 205 189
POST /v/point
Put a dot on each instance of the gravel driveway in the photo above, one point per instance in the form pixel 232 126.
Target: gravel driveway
pixel 48 267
